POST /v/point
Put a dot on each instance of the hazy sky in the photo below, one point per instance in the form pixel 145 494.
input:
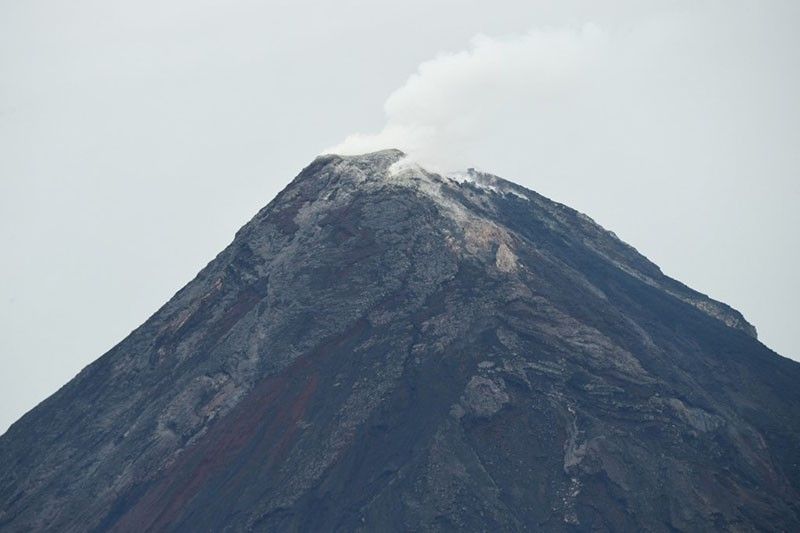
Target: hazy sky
pixel 137 136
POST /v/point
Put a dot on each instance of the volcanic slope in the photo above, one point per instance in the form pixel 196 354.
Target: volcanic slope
pixel 383 348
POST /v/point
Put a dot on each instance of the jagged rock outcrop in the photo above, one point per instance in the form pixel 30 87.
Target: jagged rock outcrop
pixel 383 348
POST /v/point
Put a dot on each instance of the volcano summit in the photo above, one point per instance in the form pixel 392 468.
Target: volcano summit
pixel 382 348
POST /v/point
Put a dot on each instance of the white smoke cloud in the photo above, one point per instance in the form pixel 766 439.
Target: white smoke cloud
pixel 453 99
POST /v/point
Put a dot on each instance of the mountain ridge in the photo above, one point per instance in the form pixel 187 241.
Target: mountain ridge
pixel 377 325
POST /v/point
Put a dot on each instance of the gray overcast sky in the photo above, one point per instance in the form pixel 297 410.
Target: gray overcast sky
pixel 136 137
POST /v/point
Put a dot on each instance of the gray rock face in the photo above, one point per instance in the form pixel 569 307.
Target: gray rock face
pixel 382 348
pixel 484 397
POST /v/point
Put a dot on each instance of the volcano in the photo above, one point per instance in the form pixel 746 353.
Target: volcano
pixel 384 348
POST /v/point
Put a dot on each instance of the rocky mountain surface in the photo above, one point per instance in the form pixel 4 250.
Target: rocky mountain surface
pixel 382 348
